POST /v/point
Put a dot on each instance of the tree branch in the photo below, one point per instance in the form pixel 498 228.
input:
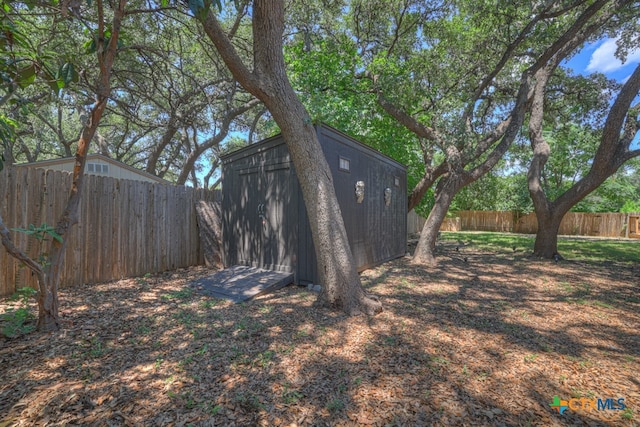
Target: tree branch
pixel 14 251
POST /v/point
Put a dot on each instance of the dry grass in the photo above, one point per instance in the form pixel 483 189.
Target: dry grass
pixel 484 342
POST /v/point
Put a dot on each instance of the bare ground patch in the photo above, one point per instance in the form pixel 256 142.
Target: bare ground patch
pixel 488 341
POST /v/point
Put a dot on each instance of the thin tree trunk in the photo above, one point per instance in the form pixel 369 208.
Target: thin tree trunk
pixel 425 250
pixel 49 276
pixel 48 315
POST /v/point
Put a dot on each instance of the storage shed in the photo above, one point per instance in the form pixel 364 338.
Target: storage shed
pixel 264 221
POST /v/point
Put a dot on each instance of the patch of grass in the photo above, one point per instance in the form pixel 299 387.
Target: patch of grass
pixel 189 401
pixel 530 358
pixel 213 409
pixel 546 347
pixel 182 294
pixel 627 414
pixel 186 317
pixel 208 303
pixel 597 250
pixel 291 396
pixel 482 376
pixel 266 309
pixel 248 401
pixel 440 361
pixel 188 360
pixel 96 349
pixel 336 405
pixel 15 322
pixel 264 359
pixel 391 341
pixel 203 350
pixel 465 371
pixel 585 364
pixel 500 242
pixel 566 287
pixel 144 280
pixel 302 333
pixel 578 393
pixel 601 304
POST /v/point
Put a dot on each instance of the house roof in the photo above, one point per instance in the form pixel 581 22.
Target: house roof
pixel 63 160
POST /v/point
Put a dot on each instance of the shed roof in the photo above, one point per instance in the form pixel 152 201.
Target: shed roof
pixel 240 152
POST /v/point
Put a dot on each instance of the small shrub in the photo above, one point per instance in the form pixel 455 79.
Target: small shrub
pixel 18 321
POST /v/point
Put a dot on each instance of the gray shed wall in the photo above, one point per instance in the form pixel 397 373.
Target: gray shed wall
pixel 264 218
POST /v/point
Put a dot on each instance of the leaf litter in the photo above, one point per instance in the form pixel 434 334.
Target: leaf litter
pixel 486 341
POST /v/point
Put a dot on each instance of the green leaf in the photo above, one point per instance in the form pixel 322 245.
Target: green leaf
pixel 7 130
pixel 68 73
pixel 89 46
pixel 26 76
pixel 55 235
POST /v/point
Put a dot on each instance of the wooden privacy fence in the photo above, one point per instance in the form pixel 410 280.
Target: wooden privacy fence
pixel 573 223
pixel 126 228
pixel 414 222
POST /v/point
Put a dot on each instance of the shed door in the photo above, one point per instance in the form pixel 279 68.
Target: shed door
pixel 276 228
pixel 265 238
pixel 248 232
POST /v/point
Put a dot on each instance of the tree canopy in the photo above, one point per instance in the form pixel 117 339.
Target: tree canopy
pixel 474 97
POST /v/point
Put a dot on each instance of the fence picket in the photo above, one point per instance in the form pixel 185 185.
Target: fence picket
pixel 126 228
pixel 573 223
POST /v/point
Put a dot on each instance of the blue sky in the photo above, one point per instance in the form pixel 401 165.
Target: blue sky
pixel 599 57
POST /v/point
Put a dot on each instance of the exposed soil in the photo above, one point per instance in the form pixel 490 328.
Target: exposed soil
pixel 486 341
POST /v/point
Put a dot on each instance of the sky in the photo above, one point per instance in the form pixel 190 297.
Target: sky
pixel 599 57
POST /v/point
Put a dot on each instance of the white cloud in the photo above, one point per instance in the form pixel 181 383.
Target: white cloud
pixel 603 58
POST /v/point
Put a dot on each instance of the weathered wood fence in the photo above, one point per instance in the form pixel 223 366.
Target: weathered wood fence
pixel 573 223
pixel 126 228
pixel 415 222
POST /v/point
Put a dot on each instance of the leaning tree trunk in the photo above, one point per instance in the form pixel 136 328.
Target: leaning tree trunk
pixel 341 286
pixel 445 192
pixel 269 82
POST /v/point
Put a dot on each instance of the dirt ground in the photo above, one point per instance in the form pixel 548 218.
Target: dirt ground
pixel 486 341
